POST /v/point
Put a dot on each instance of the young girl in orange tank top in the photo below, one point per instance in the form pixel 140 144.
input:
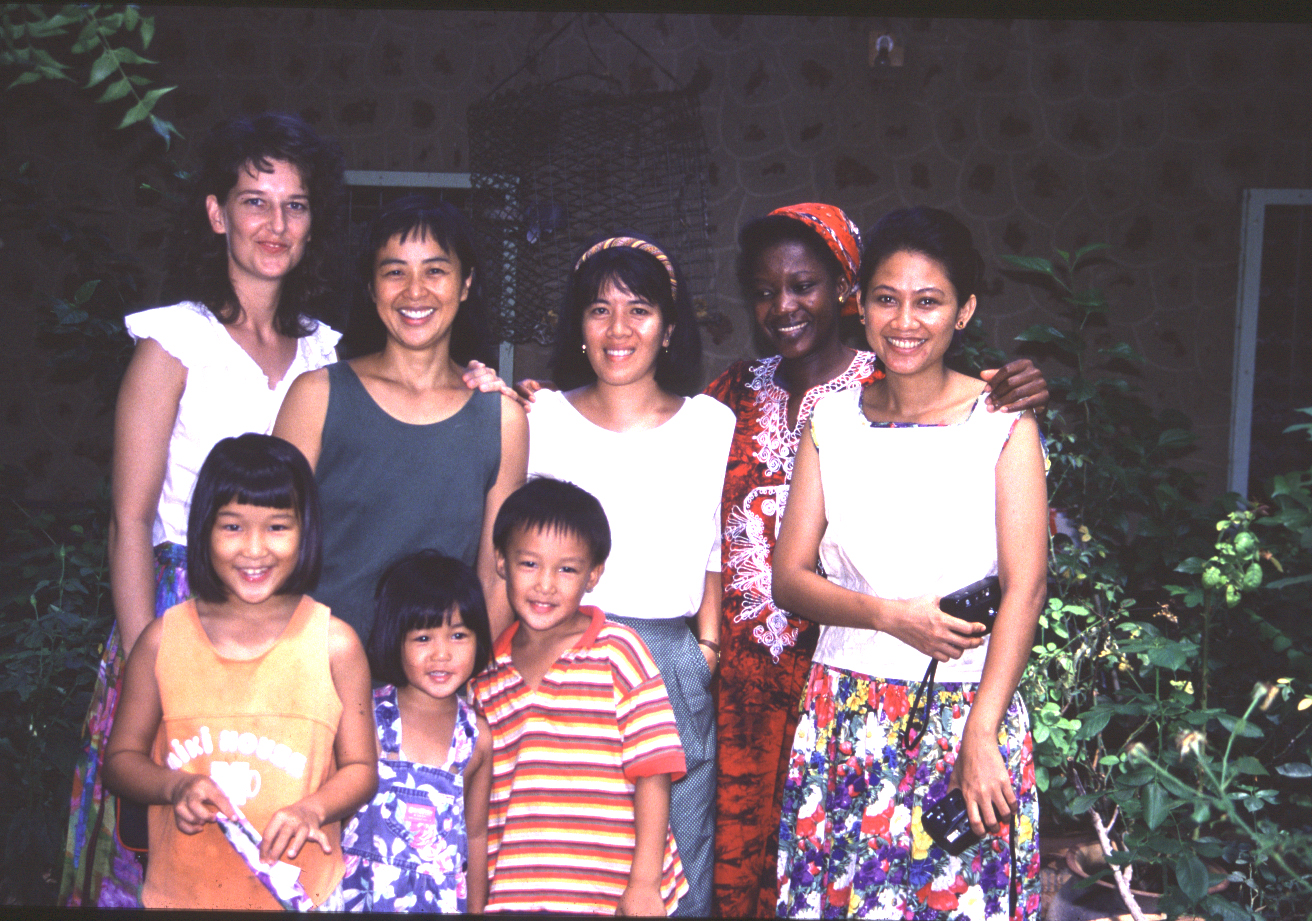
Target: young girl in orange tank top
pixel 250 700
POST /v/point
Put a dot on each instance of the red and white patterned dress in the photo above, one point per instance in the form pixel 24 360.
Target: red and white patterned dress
pixel 765 652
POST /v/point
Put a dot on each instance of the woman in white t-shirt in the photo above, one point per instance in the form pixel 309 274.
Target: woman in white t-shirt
pixel 628 427
pixel 254 284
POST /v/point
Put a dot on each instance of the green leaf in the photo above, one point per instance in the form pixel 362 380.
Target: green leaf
pixel 1294 769
pixel 128 56
pixel 1093 722
pixel 1248 765
pixel 116 90
pixel 1191 874
pixel 85 291
pixel 1156 804
pixel 142 109
pixel 131 16
pixel 1084 802
pixel 1123 351
pixel 1292 580
pixel 87 38
pixel 1241 728
pixel 105 65
pixel 26 77
pixel 147 31
pixel 1042 333
pixel 1172 439
pixel 1086 250
pixel 1030 264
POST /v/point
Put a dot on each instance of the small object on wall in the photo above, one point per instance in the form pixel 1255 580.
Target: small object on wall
pixel 885 50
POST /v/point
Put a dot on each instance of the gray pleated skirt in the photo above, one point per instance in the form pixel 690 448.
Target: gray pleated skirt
pixel 687 680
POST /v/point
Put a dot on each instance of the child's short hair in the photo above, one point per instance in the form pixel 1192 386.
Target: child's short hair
pixel 420 591
pixel 254 470
pixel 554 505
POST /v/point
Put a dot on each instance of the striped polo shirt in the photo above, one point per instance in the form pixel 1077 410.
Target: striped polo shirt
pixel 564 759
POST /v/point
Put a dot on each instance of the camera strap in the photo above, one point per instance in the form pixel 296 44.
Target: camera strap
pixel 918 722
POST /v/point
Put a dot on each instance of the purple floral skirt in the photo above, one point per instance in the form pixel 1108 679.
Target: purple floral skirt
pixel 851 842
pixel 98 873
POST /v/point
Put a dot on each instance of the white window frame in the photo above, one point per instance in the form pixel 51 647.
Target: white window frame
pixel 1252 227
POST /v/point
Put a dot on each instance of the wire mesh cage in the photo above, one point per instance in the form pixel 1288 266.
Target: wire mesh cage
pixel 551 166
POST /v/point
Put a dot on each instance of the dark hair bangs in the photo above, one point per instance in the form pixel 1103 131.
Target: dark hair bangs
pixel 554 506
pixel 422 217
pixel 258 470
pixel 678 368
pixel 419 592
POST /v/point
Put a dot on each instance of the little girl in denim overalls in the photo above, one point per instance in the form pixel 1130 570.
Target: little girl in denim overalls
pixel 421 845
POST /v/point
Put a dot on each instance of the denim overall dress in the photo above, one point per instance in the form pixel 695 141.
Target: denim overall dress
pixel 407 850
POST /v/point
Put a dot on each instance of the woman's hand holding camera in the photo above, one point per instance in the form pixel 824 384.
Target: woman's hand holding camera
pixel 919 623
pixel 982 777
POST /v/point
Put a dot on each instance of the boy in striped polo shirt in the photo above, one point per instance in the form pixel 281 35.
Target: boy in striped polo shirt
pixel 584 746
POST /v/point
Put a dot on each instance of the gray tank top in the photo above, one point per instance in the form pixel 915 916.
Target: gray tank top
pixel 388 488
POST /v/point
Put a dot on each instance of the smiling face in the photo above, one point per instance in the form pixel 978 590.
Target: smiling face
pixel 254 550
pixel 438 660
pixel 417 288
pixel 266 219
pixel 910 312
pixel 795 298
pixel 547 573
pixel 623 335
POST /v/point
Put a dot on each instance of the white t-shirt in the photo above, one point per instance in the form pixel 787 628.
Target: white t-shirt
pixel 226 394
pixel 911 511
pixel 660 489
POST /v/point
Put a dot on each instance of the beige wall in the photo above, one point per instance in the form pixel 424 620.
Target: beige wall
pixel 1038 134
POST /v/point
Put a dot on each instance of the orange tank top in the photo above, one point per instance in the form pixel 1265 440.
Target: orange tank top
pixel 263 728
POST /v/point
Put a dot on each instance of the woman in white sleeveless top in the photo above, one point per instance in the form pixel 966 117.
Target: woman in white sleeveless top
pixel 903 492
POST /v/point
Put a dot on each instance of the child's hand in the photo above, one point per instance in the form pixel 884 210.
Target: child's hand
pixel 641 902
pixel 288 831
pixel 196 801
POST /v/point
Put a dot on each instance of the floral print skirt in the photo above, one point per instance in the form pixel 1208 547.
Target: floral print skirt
pixel 98 873
pixel 851 842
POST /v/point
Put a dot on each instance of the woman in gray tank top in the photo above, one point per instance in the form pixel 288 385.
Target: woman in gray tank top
pixel 405 455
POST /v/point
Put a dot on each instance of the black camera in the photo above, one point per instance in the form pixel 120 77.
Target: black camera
pixel 977 602
pixel 947 823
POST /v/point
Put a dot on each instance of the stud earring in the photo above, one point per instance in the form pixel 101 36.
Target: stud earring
pixel 584 347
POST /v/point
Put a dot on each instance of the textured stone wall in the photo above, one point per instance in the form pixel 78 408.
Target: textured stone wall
pixel 1038 134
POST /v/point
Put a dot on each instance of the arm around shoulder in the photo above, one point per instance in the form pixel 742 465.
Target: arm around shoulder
pixel 304 409
pixel 511 473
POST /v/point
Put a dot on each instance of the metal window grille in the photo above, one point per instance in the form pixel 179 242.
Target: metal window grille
pixel 551 166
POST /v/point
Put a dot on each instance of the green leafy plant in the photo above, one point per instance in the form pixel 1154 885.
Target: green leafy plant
pixel 1144 723
pixel 54 610
pixel 54 616
pixel 88 41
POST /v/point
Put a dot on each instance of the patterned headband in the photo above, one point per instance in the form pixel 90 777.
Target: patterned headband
pixel 839 234
pixel 634 243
